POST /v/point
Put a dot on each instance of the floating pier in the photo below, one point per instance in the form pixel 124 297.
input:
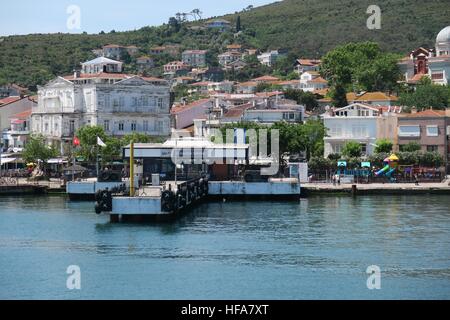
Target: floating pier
pixel 288 189
pixel 86 190
pixel 159 203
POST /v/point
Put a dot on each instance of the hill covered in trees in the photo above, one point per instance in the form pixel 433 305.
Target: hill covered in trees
pixel 307 28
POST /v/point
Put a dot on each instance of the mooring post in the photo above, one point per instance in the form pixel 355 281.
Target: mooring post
pixel 354 190
pixel 132 169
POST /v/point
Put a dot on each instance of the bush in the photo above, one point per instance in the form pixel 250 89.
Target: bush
pixel 352 149
pixel 384 146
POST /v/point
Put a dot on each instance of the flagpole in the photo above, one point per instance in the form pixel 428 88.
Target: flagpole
pixel 97 163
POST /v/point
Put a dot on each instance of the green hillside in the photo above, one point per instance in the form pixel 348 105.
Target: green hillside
pixel 306 27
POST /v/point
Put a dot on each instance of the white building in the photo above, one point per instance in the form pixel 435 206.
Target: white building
pixel 311 81
pixel 120 103
pixel 268 58
pixel 360 123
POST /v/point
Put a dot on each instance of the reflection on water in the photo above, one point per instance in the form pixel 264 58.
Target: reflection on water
pixel 317 248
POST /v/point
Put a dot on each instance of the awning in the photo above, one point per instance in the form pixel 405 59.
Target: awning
pixel 57 161
pixel 7 160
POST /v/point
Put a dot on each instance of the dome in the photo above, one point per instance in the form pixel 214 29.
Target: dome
pixel 444 36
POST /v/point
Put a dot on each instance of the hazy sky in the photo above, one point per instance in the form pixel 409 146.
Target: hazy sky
pixel 49 16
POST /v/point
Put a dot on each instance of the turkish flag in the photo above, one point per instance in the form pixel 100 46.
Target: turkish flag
pixel 76 141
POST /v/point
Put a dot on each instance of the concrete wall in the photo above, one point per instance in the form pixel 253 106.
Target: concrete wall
pixel 244 188
pixel 136 206
pixel 89 188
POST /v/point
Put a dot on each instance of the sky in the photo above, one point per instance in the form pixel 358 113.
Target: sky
pixel 50 16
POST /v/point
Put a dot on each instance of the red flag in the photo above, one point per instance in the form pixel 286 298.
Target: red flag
pixel 76 141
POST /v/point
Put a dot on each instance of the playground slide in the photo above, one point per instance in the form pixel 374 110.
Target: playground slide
pixel 390 172
pixel 379 173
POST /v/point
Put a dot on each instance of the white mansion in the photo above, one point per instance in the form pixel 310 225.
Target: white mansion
pixel 101 95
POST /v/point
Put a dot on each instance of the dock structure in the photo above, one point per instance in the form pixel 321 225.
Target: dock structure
pixel 287 189
pixel 158 203
pixel 86 190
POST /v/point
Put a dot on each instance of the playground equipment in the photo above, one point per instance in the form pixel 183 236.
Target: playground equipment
pixel 391 165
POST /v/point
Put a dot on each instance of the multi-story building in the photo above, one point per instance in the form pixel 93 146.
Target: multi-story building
pixel 145 63
pixel 175 66
pixel 118 102
pixel 429 128
pixel 18 133
pixel 303 65
pixel 117 52
pixel 312 81
pixel 359 123
pixel 228 57
pixel 195 58
pixel 269 58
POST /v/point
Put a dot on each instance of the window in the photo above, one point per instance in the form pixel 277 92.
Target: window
pixel 409 131
pixel 432 148
pixel 133 126
pixel 56 128
pixel 437 76
pixel 337 148
pixel 432 131
pixel 359 131
pixel 364 148
pixel 121 126
pixel 106 125
pixel 72 127
pixel 145 125
pixel 46 127
pixel 335 131
pixel 160 103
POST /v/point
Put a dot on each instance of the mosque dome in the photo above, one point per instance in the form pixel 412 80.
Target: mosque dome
pixel 443 42
pixel 444 36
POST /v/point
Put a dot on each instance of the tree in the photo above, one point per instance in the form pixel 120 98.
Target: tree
pixel 308 99
pixel 88 142
pixel 427 95
pixel 361 66
pixel 411 147
pixel 339 96
pixel 238 23
pixel 140 138
pixel 174 24
pixel 384 146
pixel 37 149
pixel 352 149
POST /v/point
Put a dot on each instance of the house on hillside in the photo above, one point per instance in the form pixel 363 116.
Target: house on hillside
pixel 311 81
pixel 219 24
pixel 303 65
pixel 194 58
pixel 145 63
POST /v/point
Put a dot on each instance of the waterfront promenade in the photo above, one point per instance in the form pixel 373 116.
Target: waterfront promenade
pixel 379 188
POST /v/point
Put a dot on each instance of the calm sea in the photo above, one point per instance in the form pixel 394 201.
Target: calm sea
pixel 318 248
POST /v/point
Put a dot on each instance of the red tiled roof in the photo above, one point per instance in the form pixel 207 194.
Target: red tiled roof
pixel 318 80
pixel 237 111
pixel 308 62
pixel 429 113
pixel 8 100
pixel 22 115
pixel 266 78
pixel 181 108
